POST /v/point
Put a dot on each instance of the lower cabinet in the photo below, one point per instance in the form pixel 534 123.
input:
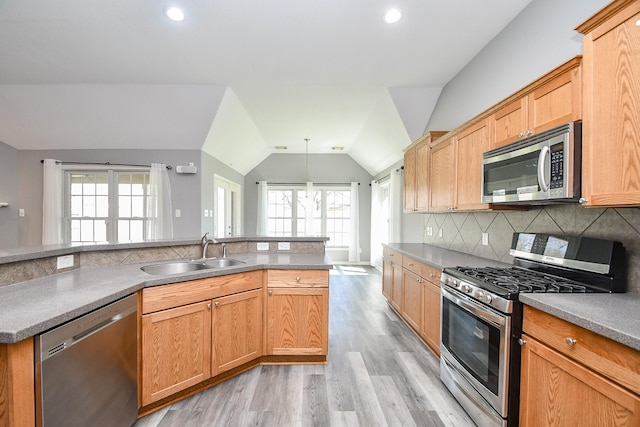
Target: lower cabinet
pixel 571 376
pixel 297 312
pixel 413 290
pixel 237 330
pixel 176 350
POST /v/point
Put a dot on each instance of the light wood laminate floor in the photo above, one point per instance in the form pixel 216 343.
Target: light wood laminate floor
pixel 379 374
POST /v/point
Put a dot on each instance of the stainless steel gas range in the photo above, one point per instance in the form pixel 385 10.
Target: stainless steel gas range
pixel 482 317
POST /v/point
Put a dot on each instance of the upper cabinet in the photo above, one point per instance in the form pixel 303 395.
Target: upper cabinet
pixel 416 173
pixel 442 168
pixel 471 143
pixel 552 100
pixel 611 137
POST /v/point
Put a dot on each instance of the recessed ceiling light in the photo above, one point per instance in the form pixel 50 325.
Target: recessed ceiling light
pixel 174 13
pixel 392 16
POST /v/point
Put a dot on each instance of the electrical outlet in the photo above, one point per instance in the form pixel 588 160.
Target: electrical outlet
pixel 178 213
pixel 440 234
pixel 485 239
pixel 262 246
pixel 65 261
pixel 284 246
pixel 429 231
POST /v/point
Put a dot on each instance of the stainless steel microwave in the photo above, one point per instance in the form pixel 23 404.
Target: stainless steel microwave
pixel 541 169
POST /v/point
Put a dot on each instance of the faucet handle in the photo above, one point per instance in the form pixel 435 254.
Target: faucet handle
pixel 204 238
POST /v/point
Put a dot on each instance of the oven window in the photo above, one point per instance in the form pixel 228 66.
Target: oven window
pixel 473 342
pixel 509 176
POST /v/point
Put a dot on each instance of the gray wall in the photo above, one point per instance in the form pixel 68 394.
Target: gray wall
pixel 184 188
pixel 210 167
pixel 322 168
pixel 8 194
pixel 539 39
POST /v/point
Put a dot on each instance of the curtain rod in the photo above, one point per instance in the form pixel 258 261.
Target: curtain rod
pixel 169 167
pixel 304 183
pixel 389 175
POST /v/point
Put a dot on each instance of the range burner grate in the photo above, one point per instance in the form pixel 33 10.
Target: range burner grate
pixel 514 280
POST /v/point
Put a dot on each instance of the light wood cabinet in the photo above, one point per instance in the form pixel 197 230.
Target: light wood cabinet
pixel 442 176
pixel 416 173
pixel 17 384
pixel 194 330
pixel 571 376
pixel 175 350
pixel 471 143
pixel 550 101
pixel 417 288
pixel 611 137
pixel 297 315
pixel 412 299
pixel 236 330
pixel 430 330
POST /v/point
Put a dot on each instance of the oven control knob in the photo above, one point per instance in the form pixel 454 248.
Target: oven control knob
pixel 466 288
pixel 488 298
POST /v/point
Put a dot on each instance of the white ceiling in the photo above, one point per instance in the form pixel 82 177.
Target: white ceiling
pixel 236 77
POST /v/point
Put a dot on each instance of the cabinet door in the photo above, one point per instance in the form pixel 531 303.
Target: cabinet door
pixel 176 350
pixel 412 299
pixel 556 102
pixel 387 278
pixel 237 330
pixel 396 290
pixel 472 142
pixel 422 177
pixel 442 176
pixel 297 321
pixel 410 180
pixel 430 331
pixel 510 123
pixel 610 147
pixel 556 391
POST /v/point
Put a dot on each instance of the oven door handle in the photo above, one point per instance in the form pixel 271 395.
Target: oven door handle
pixel 474 308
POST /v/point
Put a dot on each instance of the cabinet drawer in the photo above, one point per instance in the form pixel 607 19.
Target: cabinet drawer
pixel 431 274
pixel 174 295
pixel 412 265
pixel 609 358
pixel 392 255
pixel 298 278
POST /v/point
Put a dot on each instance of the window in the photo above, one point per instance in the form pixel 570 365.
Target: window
pixel 325 212
pixel 105 205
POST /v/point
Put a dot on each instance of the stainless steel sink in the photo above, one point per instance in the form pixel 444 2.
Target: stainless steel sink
pixel 175 267
pixel 222 262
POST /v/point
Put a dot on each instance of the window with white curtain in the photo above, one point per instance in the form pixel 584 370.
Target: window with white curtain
pixel 105 205
pixel 328 209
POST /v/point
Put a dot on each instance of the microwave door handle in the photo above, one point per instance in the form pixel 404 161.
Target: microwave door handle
pixel 544 171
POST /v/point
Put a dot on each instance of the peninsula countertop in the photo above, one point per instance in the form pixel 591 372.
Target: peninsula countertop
pixel 29 308
pixel 615 316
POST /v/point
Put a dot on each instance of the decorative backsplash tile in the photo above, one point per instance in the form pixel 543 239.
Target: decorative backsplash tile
pixel 462 231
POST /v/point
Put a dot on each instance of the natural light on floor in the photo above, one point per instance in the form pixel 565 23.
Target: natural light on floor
pixel 348 270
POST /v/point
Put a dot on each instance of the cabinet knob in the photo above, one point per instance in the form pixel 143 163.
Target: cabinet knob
pixel 582 200
pixel 521 135
pixel 521 341
pixel 217 303
pixel 298 279
pixel 570 341
pixel 209 306
pixel 270 292
pixel 528 132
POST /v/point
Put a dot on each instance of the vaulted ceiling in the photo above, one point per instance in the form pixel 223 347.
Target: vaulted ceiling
pixel 235 78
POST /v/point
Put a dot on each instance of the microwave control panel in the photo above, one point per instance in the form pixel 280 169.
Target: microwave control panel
pixel 557 166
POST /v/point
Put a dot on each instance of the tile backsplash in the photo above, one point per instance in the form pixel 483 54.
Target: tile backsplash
pixel 462 231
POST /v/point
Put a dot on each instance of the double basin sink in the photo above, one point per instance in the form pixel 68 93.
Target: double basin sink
pixel 186 266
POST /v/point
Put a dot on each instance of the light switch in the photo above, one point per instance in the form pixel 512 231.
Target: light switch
pixel 284 246
pixel 21 212
pixel 178 213
pixel 262 246
pixel 65 261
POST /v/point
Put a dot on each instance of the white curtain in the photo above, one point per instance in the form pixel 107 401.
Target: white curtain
pixel 354 244
pixel 263 209
pixel 52 203
pixel 377 227
pixel 159 211
pixel 395 207
pixel 309 211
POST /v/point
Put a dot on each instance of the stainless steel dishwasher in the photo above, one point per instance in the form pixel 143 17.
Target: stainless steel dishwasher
pixel 86 369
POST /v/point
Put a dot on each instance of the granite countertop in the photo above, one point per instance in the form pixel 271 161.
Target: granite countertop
pixel 615 316
pixel 29 308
